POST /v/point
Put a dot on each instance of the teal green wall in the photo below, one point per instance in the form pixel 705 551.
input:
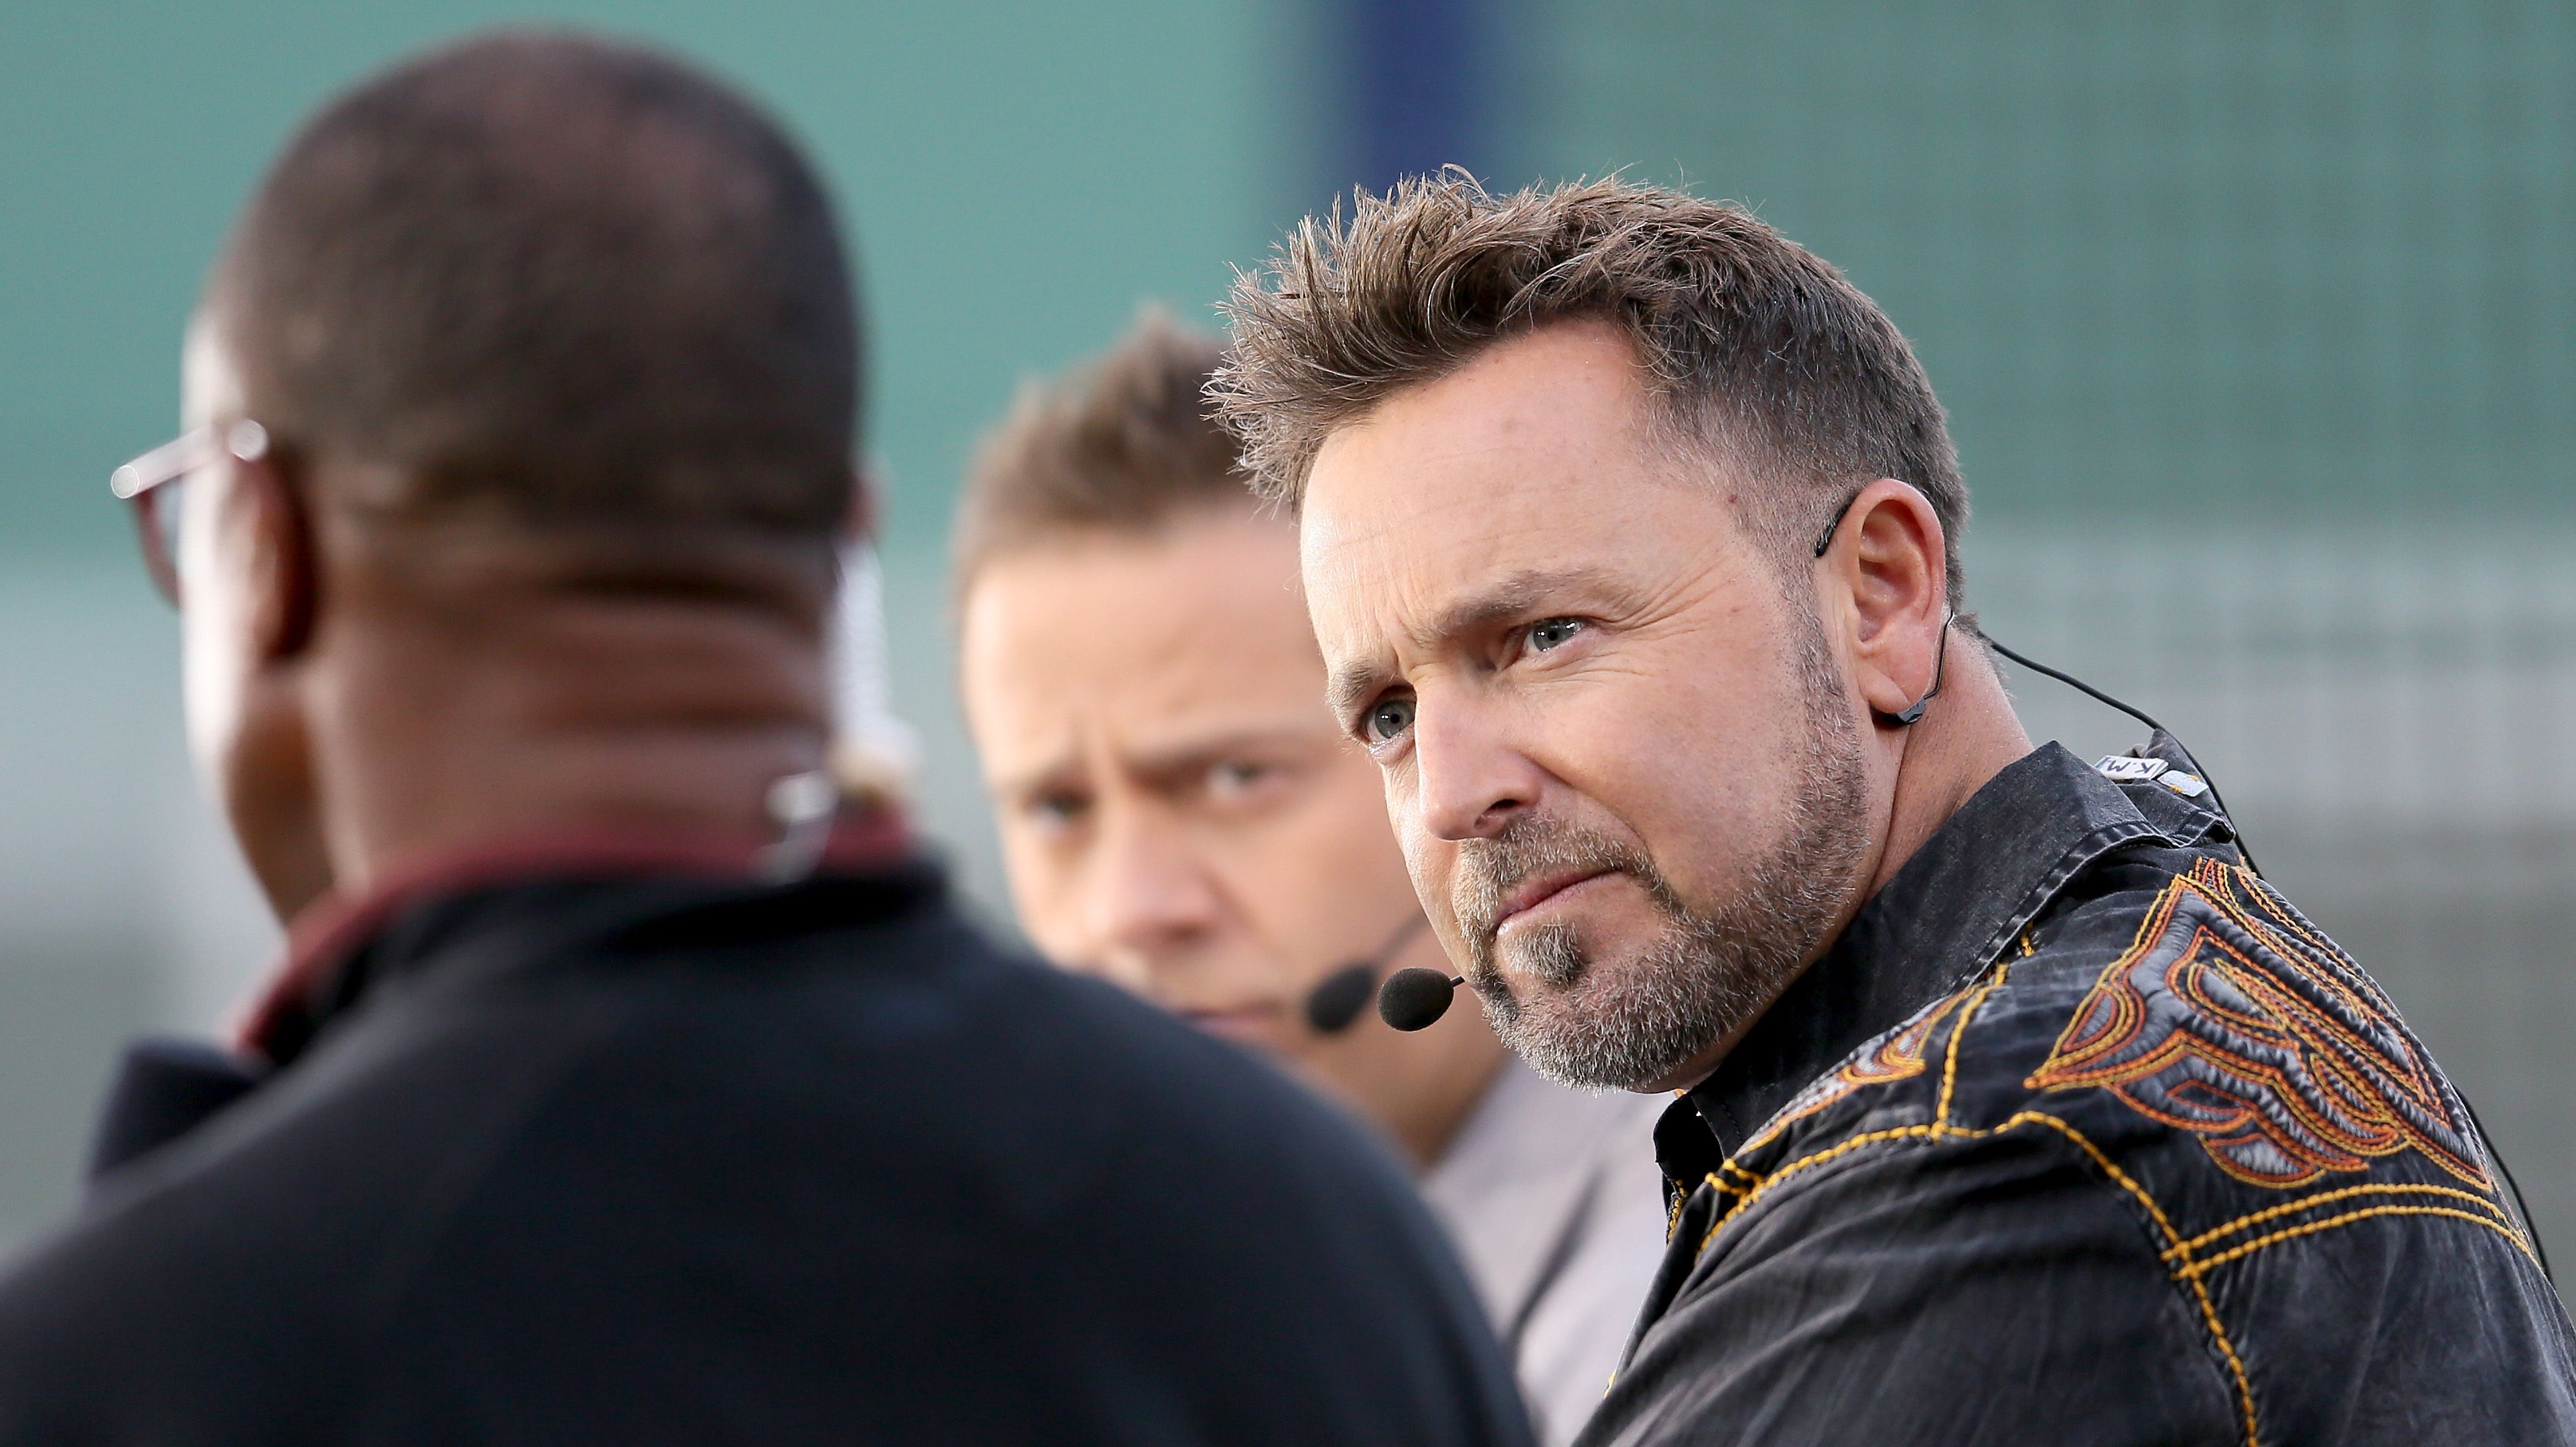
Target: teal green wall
pixel 2175 267
pixel 2214 256
pixel 2207 255
pixel 1017 176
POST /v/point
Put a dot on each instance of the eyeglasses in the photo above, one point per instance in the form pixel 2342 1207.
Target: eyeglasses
pixel 155 482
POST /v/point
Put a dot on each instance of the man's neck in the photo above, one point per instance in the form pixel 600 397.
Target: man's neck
pixel 1968 735
pixel 590 715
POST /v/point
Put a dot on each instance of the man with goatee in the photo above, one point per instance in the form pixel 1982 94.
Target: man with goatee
pixel 2016 1106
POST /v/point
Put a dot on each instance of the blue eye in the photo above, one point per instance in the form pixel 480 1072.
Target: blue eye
pixel 1056 809
pixel 1555 631
pixel 1234 776
pixel 1387 718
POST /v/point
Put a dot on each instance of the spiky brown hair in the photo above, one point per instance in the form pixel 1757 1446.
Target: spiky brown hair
pixel 1755 347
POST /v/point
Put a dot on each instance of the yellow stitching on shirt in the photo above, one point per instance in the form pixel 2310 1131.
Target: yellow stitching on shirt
pixel 2102 1159
pixel 2185 1273
pixel 1928 1132
pixel 2115 1040
pixel 1897 1056
pixel 2179 1255
pixel 2147 922
pixel 1950 1068
pixel 2266 907
pixel 2325 1197
pixel 2310 1227
pixel 1817 1159
pixel 2223 878
pixel 2258 916
pixel 2208 1308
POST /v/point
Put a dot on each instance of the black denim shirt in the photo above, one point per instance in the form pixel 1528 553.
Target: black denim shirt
pixel 2081 1133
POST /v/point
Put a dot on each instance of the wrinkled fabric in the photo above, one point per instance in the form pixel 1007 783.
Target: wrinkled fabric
pixel 2082 1133
pixel 669 1157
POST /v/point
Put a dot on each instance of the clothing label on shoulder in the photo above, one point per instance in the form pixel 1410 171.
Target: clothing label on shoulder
pixel 2121 768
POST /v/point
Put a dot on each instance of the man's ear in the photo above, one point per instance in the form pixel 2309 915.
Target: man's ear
pixel 1887 565
pixel 284 574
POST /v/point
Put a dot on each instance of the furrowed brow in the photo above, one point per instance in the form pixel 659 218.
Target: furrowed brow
pixel 1014 787
pixel 1510 598
pixel 1172 763
pixel 1350 687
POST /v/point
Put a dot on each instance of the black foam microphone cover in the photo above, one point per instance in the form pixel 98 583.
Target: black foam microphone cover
pixel 1412 999
pixel 1337 1000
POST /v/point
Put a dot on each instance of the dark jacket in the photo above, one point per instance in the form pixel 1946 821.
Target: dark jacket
pixel 679 1158
pixel 2082 1134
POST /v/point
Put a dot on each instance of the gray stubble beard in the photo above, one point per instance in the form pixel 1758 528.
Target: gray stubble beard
pixel 1711 969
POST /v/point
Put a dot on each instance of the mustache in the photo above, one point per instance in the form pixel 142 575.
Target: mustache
pixel 1490 869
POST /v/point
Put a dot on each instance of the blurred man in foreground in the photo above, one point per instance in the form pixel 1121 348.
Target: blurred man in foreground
pixel 1179 814
pixel 605 1098
pixel 2018 1108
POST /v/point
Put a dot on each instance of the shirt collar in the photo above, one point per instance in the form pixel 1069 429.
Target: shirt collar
pixel 1948 913
pixel 307 987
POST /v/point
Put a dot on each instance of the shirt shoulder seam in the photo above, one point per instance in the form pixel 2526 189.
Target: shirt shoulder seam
pixel 2175 1262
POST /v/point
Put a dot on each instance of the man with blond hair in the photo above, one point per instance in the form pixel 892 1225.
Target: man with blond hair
pixel 1179 814
pixel 2016 1107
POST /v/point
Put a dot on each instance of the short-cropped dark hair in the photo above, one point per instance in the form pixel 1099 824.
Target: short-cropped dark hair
pixel 1121 444
pixel 1755 346
pixel 562 282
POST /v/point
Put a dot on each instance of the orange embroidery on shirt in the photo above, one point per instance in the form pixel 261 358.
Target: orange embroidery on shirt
pixel 2231 1018
pixel 1897 1055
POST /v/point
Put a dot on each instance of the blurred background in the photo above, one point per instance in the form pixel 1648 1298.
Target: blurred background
pixel 2256 324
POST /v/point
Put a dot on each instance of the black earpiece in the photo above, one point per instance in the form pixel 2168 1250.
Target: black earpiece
pixel 1913 713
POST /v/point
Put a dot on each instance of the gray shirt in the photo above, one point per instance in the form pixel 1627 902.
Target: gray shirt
pixel 1554 1201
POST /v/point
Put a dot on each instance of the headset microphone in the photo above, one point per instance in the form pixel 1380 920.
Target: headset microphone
pixel 1336 1001
pixel 1413 999
pixel 1333 1004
